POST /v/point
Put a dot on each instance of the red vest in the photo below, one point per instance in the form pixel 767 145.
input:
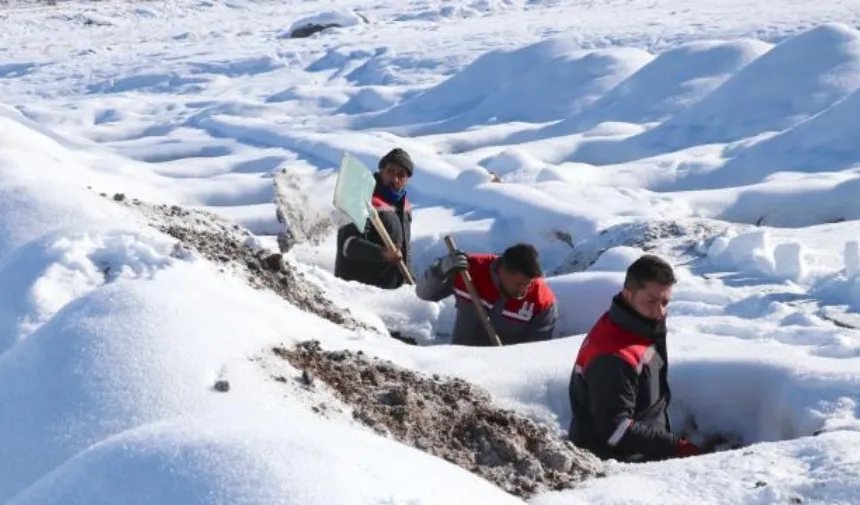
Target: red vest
pixel 538 296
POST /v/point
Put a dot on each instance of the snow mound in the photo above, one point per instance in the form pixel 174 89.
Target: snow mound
pixel 674 81
pixel 514 85
pixel 309 25
pixel 795 80
pixel 228 458
pixel 45 275
pixel 823 143
pixel 798 78
pixel 616 259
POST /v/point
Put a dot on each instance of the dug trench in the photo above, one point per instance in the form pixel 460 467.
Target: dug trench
pixel 446 417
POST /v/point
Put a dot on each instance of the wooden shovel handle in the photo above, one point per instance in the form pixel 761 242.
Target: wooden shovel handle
pixel 476 298
pixel 389 244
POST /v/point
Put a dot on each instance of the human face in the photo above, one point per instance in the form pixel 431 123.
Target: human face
pixel 394 176
pixel 652 301
pixel 514 284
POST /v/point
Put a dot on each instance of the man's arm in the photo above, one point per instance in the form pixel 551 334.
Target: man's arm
pixel 612 384
pixel 438 280
pixel 434 285
pixel 542 324
pixel 356 247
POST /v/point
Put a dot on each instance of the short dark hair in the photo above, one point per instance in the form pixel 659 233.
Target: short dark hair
pixel 523 259
pixel 649 268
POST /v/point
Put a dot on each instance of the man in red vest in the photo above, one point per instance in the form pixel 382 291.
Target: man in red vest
pixel 619 390
pixel 520 305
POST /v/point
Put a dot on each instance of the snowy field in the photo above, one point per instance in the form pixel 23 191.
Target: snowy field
pixel 724 135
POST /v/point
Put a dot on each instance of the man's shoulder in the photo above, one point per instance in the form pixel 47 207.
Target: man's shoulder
pixel 608 339
pixel 541 294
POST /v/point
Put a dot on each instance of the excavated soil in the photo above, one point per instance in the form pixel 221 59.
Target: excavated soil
pixel 232 246
pixel 448 418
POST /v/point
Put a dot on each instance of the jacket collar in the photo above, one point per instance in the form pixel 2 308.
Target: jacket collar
pixel 625 316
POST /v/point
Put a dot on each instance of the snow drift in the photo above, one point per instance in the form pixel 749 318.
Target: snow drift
pixel 512 85
pixel 793 81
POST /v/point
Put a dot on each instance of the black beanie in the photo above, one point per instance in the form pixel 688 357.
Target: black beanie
pixel 397 156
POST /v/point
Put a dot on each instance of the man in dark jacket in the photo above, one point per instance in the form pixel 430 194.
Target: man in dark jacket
pixel 361 254
pixel 520 305
pixel 619 391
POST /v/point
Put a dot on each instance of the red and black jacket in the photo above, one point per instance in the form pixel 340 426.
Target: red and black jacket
pixel 531 318
pixel 359 252
pixel 619 390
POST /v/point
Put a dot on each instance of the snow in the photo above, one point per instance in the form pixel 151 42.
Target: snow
pixel 721 136
pixel 339 18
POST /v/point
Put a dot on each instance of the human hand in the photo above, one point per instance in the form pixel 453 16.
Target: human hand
pixel 392 256
pixel 454 261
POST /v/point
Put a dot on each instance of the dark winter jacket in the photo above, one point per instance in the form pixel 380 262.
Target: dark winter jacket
pixel 359 252
pixel 515 321
pixel 619 390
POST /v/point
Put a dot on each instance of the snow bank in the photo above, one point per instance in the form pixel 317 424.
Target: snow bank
pixel 109 394
pixel 583 297
pixel 540 82
pixel 43 276
pixel 822 469
pixel 793 201
pixel 226 457
pixel 852 258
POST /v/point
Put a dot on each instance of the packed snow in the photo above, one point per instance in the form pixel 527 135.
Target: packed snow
pixel 721 135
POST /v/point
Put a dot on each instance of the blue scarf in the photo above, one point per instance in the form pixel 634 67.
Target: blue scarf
pixel 391 195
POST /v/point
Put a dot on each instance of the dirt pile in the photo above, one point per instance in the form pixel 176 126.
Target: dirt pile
pixel 235 248
pixel 448 418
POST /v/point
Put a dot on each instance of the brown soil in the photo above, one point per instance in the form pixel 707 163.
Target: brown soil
pixel 448 418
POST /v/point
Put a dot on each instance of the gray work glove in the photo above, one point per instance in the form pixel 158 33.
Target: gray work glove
pixel 454 262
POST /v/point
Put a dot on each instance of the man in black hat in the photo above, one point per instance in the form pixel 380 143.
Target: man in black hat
pixel 361 254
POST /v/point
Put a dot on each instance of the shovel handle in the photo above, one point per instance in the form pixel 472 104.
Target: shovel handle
pixel 389 244
pixel 476 298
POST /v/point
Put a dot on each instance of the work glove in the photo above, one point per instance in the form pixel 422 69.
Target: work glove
pixel 686 448
pixel 455 261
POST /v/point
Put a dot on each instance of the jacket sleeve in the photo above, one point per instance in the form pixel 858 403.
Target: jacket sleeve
pixel 613 384
pixel 542 325
pixel 355 245
pixel 434 285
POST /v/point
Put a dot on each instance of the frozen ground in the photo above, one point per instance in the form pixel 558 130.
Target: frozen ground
pixel 720 134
